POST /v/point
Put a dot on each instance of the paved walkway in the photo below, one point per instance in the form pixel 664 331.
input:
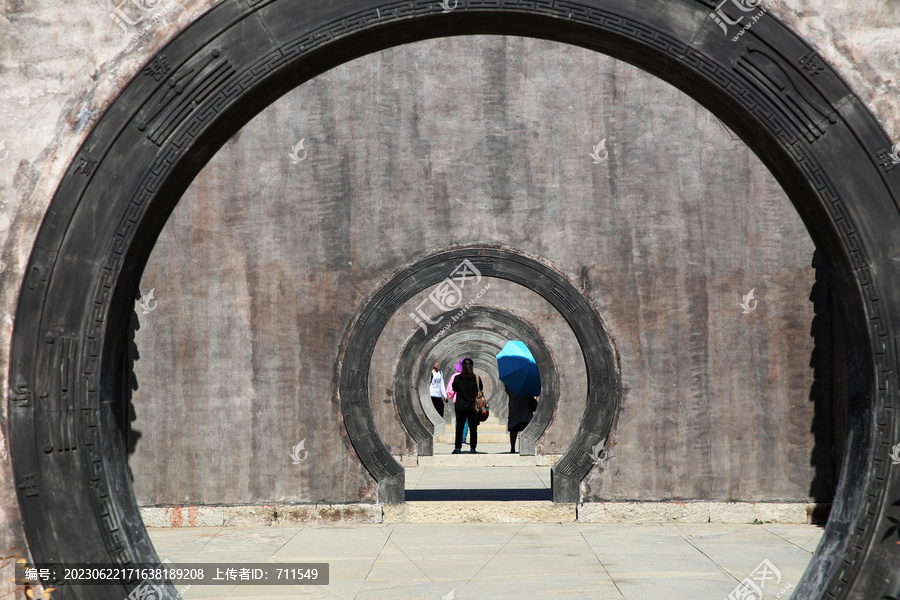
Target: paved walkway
pixel 504 561
pixel 477 483
pixel 509 561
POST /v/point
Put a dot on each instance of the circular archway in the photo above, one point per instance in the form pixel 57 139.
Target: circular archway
pixel 478 318
pixel 470 264
pixel 478 344
pixel 792 109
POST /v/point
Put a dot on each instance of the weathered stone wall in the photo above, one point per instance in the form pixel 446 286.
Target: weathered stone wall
pixel 63 63
pixel 264 262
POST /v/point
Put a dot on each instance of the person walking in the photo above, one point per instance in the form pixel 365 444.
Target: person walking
pixel 452 396
pixel 521 410
pixel 466 385
pixel 437 389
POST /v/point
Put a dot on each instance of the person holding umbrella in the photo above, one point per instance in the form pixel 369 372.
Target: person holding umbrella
pixel 518 370
pixel 466 385
pixel 521 410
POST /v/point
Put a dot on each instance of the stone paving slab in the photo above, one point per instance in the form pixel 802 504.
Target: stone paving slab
pixel 493 437
pixel 503 561
pixel 445 511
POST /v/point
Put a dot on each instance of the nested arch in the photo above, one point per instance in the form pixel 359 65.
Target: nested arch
pixel 792 109
pixel 479 344
pixel 477 320
pixel 579 314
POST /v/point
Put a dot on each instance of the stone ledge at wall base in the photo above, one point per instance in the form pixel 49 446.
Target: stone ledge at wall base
pixel 480 460
pixel 407 460
pixel 703 512
pixel 546 460
pixel 254 515
pixel 632 513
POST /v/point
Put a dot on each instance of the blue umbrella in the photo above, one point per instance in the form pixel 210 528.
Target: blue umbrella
pixel 518 369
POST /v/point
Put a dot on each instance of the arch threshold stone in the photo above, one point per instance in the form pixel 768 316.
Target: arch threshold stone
pixel 770 87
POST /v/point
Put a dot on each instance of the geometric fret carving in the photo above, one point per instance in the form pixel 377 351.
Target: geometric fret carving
pixel 806 110
pixel 182 94
pixel 57 404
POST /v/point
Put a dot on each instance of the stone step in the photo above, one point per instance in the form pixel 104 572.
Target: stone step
pixel 479 512
pixel 489 425
pixel 467 459
pixel 484 437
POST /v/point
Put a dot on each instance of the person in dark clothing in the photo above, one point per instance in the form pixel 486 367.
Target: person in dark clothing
pixel 466 385
pixel 521 409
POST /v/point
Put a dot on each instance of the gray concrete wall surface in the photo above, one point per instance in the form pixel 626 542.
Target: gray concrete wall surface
pixel 265 260
pixel 64 63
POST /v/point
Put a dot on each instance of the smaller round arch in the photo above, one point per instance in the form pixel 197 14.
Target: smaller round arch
pixel 472 264
pixel 487 324
pixel 479 344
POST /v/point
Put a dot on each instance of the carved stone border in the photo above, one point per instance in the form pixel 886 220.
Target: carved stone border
pixel 770 87
pixel 421 343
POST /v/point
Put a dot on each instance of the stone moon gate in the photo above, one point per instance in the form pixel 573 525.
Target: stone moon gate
pixel 786 103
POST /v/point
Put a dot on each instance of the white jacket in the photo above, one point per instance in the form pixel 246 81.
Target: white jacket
pixel 437 388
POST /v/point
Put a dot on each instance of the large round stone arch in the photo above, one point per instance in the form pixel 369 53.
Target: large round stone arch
pixel 791 108
pixel 487 317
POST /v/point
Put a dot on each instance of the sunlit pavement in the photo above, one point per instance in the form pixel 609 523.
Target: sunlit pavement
pixel 485 561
